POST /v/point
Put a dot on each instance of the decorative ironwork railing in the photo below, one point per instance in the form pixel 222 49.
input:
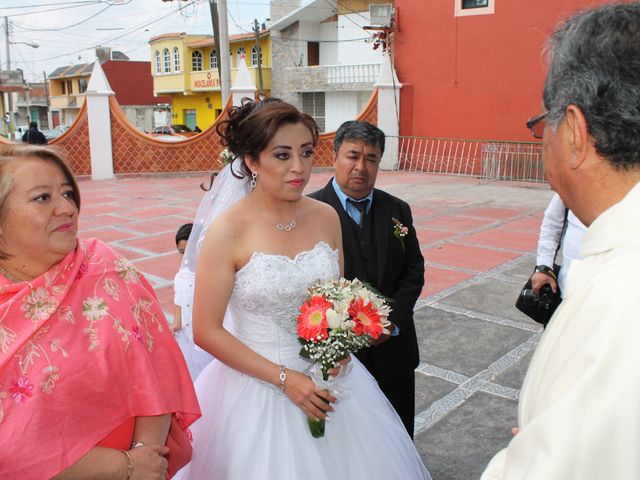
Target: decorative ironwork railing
pixel 488 159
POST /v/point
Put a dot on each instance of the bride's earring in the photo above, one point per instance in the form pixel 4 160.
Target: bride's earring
pixel 254 179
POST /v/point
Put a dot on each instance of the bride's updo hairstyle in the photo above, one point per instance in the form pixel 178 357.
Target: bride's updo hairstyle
pixel 251 126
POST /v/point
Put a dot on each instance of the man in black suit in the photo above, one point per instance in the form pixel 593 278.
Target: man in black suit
pixel 376 251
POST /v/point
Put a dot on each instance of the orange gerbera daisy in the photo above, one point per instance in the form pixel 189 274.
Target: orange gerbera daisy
pixel 366 317
pixel 312 320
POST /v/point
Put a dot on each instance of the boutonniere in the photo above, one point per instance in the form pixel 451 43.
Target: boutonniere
pixel 399 231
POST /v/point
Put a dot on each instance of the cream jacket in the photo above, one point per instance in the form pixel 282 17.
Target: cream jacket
pixel 579 411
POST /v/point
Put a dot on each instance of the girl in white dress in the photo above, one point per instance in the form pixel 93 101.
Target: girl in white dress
pixel 258 259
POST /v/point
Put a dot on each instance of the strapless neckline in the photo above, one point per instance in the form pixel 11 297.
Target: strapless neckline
pixel 296 258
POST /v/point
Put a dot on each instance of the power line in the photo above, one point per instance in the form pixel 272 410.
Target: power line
pixel 84 4
pixel 68 26
pixel 135 29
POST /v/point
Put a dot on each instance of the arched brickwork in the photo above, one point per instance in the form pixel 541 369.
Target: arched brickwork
pixel 137 152
pixel 74 144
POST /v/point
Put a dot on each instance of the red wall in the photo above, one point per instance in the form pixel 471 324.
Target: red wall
pixel 132 82
pixel 475 77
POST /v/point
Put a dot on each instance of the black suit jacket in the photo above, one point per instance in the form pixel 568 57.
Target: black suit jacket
pixel 400 272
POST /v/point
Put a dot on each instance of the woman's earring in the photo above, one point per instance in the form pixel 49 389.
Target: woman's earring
pixel 254 179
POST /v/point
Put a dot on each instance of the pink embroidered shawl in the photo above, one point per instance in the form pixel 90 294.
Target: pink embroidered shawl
pixel 83 349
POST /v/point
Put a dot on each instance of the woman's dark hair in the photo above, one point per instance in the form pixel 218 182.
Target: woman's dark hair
pixel 183 232
pixel 251 126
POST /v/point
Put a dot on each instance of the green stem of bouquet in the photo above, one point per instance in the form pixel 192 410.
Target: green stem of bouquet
pixel 317 426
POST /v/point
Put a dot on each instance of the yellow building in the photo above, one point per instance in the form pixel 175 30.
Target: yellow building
pixel 185 67
pixel 66 92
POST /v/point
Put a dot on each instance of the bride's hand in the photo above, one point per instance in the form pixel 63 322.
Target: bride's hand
pixel 313 401
pixel 334 372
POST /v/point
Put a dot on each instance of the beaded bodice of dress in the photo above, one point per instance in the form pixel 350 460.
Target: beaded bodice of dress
pixel 266 299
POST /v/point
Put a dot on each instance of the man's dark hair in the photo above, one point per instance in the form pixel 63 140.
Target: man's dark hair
pixel 33 124
pixel 593 64
pixel 363 131
pixel 183 232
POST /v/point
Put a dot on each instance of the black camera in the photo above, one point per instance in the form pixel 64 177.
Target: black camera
pixel 544 300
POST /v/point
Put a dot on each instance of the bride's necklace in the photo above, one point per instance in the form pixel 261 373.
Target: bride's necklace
pixel 287 227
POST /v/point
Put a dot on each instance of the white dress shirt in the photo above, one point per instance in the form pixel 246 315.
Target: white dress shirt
pixel 579 410
pixel 550 236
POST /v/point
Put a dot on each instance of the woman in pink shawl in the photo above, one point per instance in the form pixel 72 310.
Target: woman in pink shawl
pixel 92 384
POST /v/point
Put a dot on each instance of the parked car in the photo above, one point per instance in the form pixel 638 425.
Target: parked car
pixel 60 129
pixel 50 134
pixel 20 130
pixel 174 130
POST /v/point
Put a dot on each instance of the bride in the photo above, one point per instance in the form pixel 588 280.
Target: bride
pixel 255 264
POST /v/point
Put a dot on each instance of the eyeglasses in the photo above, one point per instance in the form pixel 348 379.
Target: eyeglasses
pixel 537 124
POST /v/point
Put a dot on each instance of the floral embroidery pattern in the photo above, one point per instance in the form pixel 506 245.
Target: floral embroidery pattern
pixel 45 351
pixel 95 309
pixel 21 389
pixel 136 333
pixel 126 270
pixel 7 337
pixel 111 287
pixel 65 313
pixel 38 305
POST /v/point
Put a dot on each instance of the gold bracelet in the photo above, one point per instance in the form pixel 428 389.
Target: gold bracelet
pixel 129 465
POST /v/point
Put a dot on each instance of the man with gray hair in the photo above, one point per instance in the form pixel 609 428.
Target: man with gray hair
pixel 579 406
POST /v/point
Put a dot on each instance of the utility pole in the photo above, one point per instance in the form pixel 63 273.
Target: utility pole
pixel 10 127
pixel 225 59
pixel 46 92
pixel 213 7
pixel 256 30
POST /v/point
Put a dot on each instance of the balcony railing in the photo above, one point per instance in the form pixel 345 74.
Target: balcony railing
pixel 365 73
pixel 332 77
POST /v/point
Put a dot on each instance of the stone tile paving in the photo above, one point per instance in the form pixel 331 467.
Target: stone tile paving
pixel 478 240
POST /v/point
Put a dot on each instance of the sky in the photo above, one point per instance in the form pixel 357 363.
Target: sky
pixel 67 31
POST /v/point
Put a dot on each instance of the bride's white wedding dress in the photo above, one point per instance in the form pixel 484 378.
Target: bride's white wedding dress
pixel 250 430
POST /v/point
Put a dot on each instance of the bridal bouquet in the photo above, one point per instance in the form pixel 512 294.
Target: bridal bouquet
pixel 337 318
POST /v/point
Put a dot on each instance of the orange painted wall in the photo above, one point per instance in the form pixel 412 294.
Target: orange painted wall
pixel 474 77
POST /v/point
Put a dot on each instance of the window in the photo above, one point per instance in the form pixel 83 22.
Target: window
pixel 213 60
pixel 64 87
pixel 254 56
pixel 196 61
pixel 465 8
pixel 82 83
pixel 313 104
pixel 240 54
pixel 474 4
pixel 157 58
pixel 176 59
pixel 69 87
pixel 166 60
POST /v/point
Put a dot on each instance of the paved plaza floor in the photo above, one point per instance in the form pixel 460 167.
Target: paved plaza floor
pixel 478 240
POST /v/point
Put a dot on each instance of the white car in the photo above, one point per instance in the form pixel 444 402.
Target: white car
pixel 20 131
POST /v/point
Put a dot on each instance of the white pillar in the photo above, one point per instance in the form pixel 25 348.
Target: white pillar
pixel 243 86
pixel 389 112
pixel 98 112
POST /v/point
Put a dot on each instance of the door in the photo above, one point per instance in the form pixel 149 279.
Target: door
pixel 190 119
pixel 313 54
pixel 55 118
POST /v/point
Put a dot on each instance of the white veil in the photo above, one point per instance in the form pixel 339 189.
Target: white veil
pixel 226 190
